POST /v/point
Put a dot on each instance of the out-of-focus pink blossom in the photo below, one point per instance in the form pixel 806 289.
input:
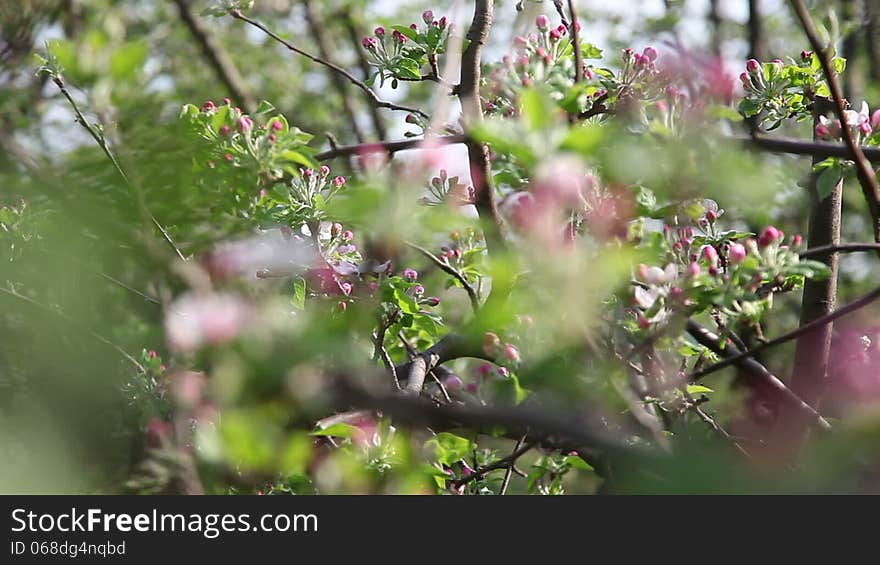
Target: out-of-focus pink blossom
pixel 195 320
pixel 737 253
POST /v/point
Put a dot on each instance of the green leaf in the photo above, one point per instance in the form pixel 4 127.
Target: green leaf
pixel 828 179
pixel 449 448
pixel 340 429
pixel 127 60
pixel 408 69
pixel 299 293
pixel 538 109
pixel 698 389
pixel 576 462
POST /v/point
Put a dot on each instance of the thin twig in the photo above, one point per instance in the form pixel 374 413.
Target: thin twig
pixel 867 177
pixel 575 37
pixel 503 463
pixel 75 324
pixel 374 98
pixel 744 360
pixel 839 313
pixel 389 147
pixel 223 65
pixel 452 271
pixel 102 143
pixel 325 48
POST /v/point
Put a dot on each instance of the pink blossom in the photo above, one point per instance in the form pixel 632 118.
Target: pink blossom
pixel 752 66
pixel 195 320
pixel 769 236
pixel 737 253
pixel 709 254
pixel 410 274
pixel 650 53
pixel 379 31
pixel 543 22
pixel 339 182
pixel 244 124
pixel 428 17
pixel 511 353
pixel 452 383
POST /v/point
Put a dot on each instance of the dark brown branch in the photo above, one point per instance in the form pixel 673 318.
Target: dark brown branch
pixel 839 248
pixel 865 173
pixel 819 297
pixel 810 148
pixel 576 38
pixel 577 429
pixel 388 146
pixel 745 362
pixel 794 334
pixel 217 57
pixel 452 271
pixel 756 31
pixel 374 98
pixel 325 48
pixel 504 463
pixel 354 37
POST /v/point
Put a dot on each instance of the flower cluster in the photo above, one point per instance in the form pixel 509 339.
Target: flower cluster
pixel 546 58
pixel 776 91
pixel 733 273
pixel 445 189
pixel 401 54
pixel 862 123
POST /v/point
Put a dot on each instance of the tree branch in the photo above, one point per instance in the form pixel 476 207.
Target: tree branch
pixel 867 177
pixel 452 271
pixel 325 48
pixel 519 450
pixel 217 57
pixel 739 356
pixel 389 147
pixel 745 362
pixel 374 98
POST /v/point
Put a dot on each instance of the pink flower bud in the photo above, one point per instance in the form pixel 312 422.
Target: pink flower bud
pixel 411 119
pixel 643 322
pixel 769 236
pixel 650 53
pixel 347 235
pixel 345 288
pixel 562 29
pixel 339 182
pixel 694 269
pixel 336 229
pixel 428 17
pixel 418 290
pixel 503 372
pixel 244 124
pixel 511 353
pixel 485 370
pixel 272 138
pixel 745 80
pixel 822 131
pixel 227 102
pixel 709 254
pixel 369 43
pixel 676 292
pixel 379 31
pixel 797 240
pixel 443 22
pixel 472 388
pixel 432 301
pixel 325 170
pixel 543 22
pixel 711 216
pixel 413 27
pixel 752 66
pixel 209 106
pixel 229 157
pixel 806 55
pixel 737 253
pixel 307 173
pixel 555 36
pixel 225 130
pixel 277 125
pixel 452 383
pixel 410 274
